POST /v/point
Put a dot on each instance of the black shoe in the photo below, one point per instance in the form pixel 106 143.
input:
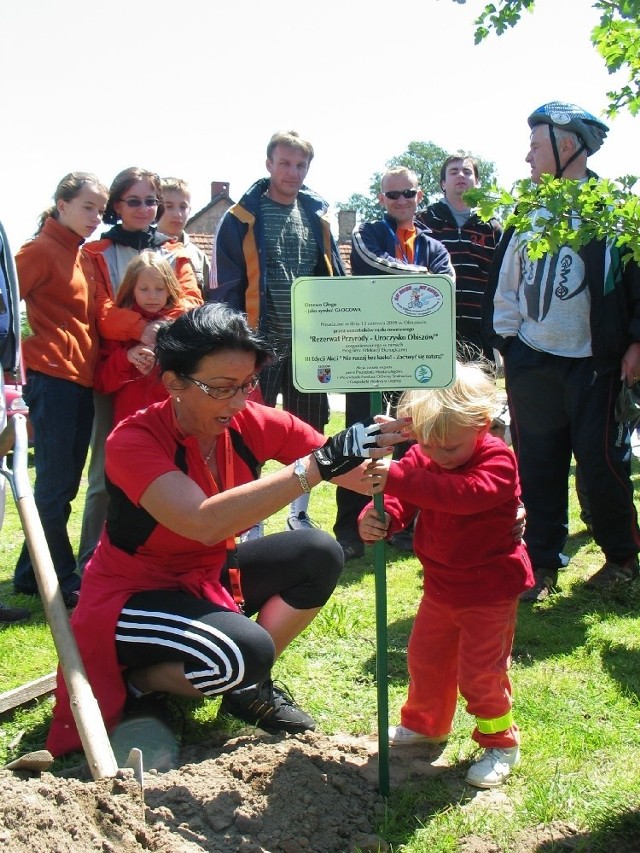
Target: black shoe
pixel 11 615
pixel 351 550
pixel 269 707
pixel 545 585
pixel 614 575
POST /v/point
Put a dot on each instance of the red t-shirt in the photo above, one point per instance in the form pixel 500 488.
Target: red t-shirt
pixel 463 534
pixel 135 553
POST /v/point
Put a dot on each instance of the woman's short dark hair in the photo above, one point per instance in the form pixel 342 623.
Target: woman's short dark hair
pixel 210 328
pixel 123 182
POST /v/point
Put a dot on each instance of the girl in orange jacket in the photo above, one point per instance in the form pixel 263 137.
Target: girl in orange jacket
pixel 60 357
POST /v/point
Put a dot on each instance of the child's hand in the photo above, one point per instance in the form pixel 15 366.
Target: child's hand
pixel 520 525
pixel 375 476
pixel 142 358
pixel 370 526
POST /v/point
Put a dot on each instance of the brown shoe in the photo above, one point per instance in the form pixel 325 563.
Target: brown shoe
pixel 545 585
pixel 614 575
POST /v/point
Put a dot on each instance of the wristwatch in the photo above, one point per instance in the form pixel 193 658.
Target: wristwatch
pixel 301 473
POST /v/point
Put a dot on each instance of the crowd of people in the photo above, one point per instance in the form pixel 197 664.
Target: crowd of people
pixel 167 366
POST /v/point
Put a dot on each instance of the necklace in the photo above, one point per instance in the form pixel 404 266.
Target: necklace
pixel 213 447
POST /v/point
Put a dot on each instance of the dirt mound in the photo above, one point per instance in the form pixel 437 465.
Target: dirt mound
pixel 258 793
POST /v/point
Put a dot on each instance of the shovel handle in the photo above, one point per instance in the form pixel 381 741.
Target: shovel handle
pixel 84 707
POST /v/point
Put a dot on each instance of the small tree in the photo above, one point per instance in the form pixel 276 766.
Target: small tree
pixel 573 212
pixel 616 38
pixel 425 159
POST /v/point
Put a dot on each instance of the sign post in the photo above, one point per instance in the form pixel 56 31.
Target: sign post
pixel 370 334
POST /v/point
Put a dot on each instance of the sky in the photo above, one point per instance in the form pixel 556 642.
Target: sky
pixel 196 89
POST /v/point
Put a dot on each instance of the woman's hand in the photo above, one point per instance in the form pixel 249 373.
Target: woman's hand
pixel 142 358
pixel 371 528
pixel 363 440
pixel 148 335
pixel 392 431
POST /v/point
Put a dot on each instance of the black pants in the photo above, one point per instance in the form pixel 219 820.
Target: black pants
pixel 223 650
pixel 350 504
pixel 559 407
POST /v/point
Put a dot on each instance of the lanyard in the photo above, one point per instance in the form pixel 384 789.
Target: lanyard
pixel 400 247
pixel 233 568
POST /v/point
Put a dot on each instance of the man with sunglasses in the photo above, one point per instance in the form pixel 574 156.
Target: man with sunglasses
pixel 397 244
pixel 470 242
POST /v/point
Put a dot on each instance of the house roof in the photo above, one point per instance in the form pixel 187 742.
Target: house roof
pixel 215 200
pixel 204 242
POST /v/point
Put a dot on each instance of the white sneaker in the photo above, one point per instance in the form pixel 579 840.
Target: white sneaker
pixel 494 767
pixel 255 532
pixel 301 521
pixel 402 736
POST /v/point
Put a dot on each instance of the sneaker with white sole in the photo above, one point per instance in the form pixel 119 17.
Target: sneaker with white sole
pixel 402 736
pixel 255 532
pixel 301 521
pixel 494 767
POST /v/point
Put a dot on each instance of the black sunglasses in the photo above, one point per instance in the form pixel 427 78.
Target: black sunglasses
pixel 395 194
pixel 138 202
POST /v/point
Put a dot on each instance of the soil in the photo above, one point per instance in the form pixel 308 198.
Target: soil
pixel 251 794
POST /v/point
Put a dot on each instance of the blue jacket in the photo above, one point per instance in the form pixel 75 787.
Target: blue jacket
pixel 9 308
pixel 238 264
pixel 373 251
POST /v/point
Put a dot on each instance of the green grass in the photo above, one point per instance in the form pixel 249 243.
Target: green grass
pixel 576 678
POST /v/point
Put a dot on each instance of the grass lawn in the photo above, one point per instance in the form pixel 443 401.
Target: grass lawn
pixel 576 678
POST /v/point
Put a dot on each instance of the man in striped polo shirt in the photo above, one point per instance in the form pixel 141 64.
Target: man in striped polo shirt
pixel 277 232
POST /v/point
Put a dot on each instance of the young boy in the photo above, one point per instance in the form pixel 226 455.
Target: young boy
pixel 464 483
pixel 176 201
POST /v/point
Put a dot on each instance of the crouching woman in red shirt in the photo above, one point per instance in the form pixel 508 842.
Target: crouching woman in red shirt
pixel 156 611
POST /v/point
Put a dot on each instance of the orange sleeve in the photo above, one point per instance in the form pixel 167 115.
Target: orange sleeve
pixel 191 293
pixel 116 324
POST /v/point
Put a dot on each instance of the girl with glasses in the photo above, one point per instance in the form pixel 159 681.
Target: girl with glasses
pixel 132 209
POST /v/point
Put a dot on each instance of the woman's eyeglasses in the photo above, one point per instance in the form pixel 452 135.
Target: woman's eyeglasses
pixel 226 392
pixel 395 194
pixel 139 202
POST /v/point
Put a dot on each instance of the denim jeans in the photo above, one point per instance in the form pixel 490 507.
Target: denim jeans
pixel 61 414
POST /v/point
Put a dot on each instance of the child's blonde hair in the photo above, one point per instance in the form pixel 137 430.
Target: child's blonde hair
pixel 468 402
pixel 144 261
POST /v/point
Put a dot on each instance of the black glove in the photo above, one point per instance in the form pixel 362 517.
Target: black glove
pixel 347 449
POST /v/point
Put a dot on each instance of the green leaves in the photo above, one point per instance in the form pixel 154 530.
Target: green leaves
pixel 616 38
pixel 559 212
